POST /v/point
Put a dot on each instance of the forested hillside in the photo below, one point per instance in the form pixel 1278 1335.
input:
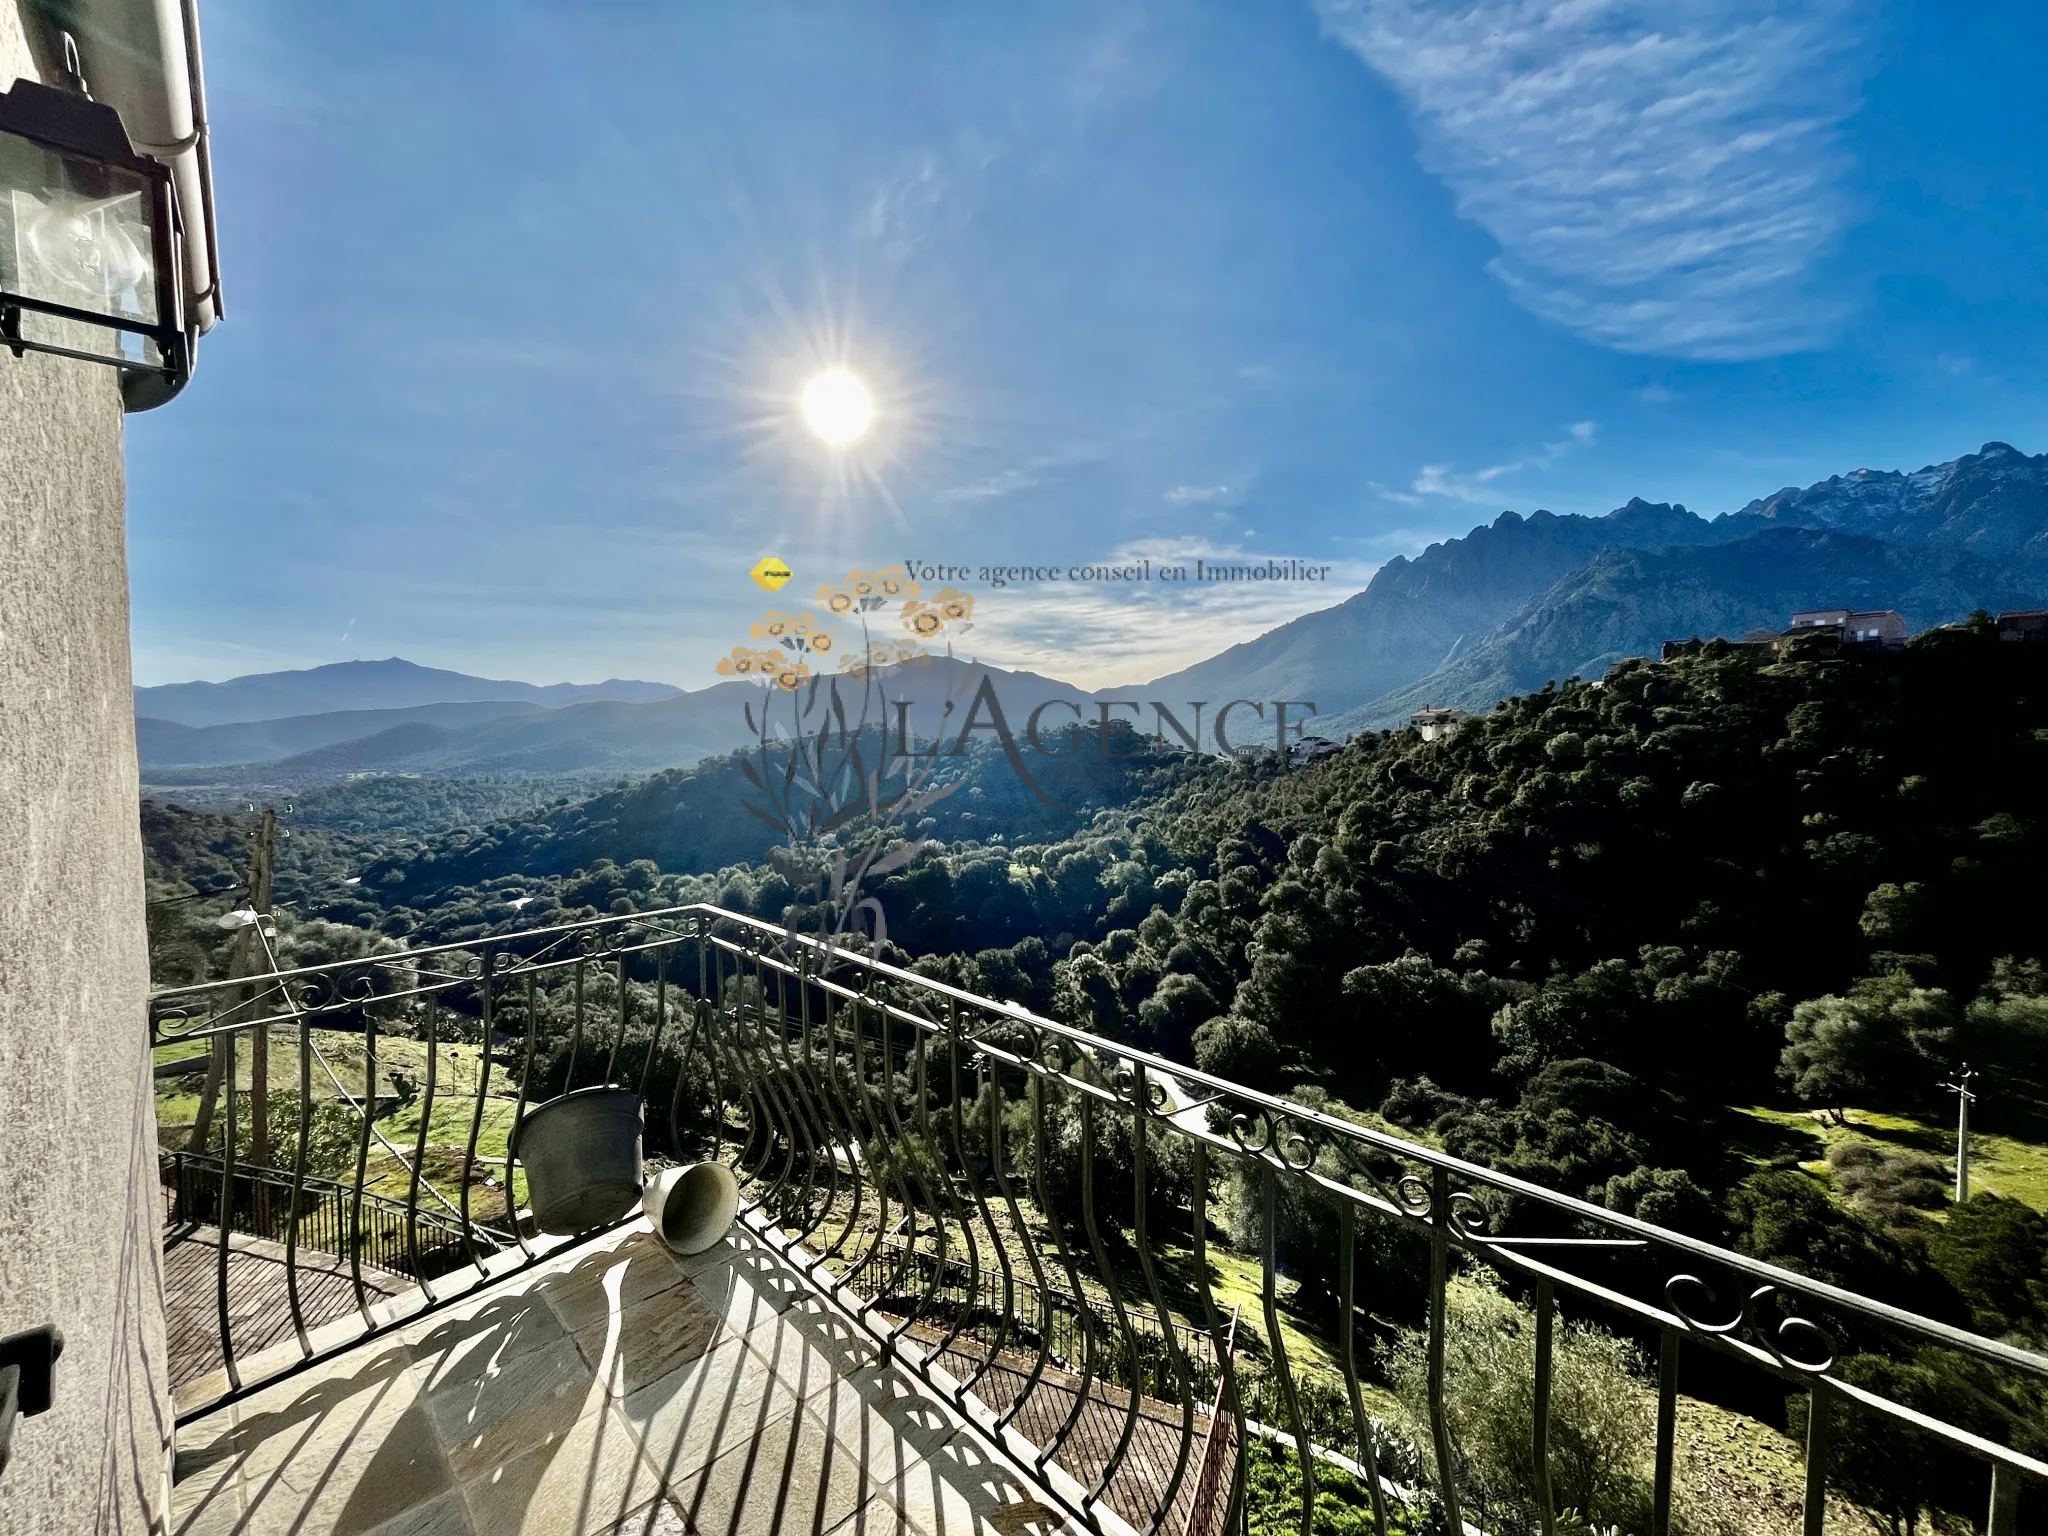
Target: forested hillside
pixel 1596 937
pixel 1652 870
pixel 1655 871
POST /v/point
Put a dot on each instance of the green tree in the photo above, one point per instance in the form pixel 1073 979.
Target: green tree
pixel 1238 1048
pixel 1880 1041
pixel 1667 1197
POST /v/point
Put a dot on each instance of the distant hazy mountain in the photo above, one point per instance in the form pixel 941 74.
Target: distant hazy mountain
pixel 1520 601
pixel 363 685
pixel 165 743
pixel 611 737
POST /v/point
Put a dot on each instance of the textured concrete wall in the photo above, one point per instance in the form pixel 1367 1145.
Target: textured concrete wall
pixel 79 1212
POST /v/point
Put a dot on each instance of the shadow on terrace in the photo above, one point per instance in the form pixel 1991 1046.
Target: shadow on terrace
pixel 991 1273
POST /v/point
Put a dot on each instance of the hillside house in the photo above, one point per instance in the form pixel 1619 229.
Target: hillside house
pixel 1313 749
pixel 1438 724
pixel 2028 626
pixel 1877 629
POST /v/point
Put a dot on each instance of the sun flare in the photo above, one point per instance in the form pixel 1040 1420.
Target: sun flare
pixel 837 407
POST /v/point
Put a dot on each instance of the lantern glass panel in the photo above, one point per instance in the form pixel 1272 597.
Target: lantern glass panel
pixel 79 233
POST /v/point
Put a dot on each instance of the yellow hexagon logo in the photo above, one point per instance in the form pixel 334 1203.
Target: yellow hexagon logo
pixel 771 573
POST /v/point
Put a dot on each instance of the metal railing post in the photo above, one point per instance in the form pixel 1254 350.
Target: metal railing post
pixel 1667 1428
pixel 1819 1410
pixel 1439 1325
pixel 1546 1320
pixel 2004 1518
pixel 1347 1315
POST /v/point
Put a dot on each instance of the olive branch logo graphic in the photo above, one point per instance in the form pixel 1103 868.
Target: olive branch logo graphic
pixel 823 780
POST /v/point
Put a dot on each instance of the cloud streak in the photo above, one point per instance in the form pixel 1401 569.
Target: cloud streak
pixel 1477 486
pixel 1661 178
pixel 995 487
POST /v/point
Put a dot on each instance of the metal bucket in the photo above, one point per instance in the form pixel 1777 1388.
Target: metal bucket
pixel 692 1208
pixel 581 1153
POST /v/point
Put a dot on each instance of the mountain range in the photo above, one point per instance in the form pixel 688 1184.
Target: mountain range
pixel 364 685
pixel 1508 607
pixel 1525 600
pixel 604 736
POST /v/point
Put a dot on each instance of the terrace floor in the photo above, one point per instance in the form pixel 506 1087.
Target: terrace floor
pixel 617 1389
pixel 259 1299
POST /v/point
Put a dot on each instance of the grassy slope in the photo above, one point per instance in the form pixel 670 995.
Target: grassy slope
pixel 177 1104
pixel 2001 1164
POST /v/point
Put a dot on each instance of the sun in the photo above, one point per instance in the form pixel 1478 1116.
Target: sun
pixel 837 407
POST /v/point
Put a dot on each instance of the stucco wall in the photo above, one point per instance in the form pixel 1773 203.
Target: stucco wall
pixel 79 1213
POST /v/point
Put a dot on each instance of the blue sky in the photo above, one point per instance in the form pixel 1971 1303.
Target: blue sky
pixel 520 298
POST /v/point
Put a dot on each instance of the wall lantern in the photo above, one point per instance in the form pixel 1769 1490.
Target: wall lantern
pixel 89 242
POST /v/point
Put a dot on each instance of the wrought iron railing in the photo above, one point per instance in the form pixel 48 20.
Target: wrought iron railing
pixel 323 1216
pixel 951 1289
pixel 1036 1211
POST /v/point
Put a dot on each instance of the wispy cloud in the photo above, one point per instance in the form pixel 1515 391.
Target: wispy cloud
pixel 1099 635
pixel 1190 495
pixel 1478 486
pixel 1661 177
pixel 932 192
pixel 1037 471
pixel 994 487
pixel 899 212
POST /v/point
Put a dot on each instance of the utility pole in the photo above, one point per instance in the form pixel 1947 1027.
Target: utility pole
pixel 262 859
pixel 250 940
pixel 1960 1087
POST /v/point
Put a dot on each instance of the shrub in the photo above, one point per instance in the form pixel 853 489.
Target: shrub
pixel 1889 1187
pixel 1996 1253
pixel 1600 1409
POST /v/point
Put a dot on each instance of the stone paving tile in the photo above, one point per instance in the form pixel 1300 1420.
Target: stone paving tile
pixel 660 1518
pixel 810 1342
pixel 884 1417
pixel 597 1284
pixel 335 1452
pixel 207 1499
pixel 499 1328
pixel 693 1415
pixel 445 1516
pixel 488 1416
pixel 745 1288
pixel 650 1339
pixel 308 1417
pixel 792 1476
pixel 962 1489
pixel 355 1484
pixel 582 1482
